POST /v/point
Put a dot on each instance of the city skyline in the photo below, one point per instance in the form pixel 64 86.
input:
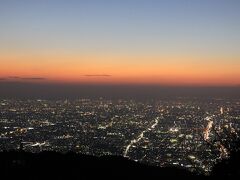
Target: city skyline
pixel 156 132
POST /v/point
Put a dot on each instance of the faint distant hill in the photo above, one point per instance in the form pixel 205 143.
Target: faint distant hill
pixel 26 90
pixel 77 166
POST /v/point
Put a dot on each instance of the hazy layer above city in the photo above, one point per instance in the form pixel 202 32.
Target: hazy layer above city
pixel 56 91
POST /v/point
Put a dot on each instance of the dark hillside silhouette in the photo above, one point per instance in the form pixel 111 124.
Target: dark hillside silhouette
pixel 55 165
pixel 77 166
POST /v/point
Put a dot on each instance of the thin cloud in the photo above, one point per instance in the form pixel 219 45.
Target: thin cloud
pixel 3 79
pixel 14 77
pixel 97 75
pixel 34 78
pixel 24 78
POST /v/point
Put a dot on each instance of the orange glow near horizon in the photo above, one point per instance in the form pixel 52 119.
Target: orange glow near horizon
pixel 171 42
pixel 113 69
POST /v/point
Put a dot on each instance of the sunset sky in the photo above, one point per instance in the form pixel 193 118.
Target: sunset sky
pixel 166 42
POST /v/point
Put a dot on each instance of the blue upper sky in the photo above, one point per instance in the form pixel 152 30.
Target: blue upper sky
pixel 126 26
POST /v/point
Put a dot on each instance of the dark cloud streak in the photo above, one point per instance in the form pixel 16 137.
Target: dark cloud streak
pixel 14 77
pixel 34 78
pixel 24 78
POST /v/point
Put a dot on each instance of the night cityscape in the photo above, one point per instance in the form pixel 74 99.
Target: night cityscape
pixel 124 89
pixel 156 132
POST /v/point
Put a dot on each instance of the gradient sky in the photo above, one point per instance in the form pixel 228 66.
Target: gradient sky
pixel 172 42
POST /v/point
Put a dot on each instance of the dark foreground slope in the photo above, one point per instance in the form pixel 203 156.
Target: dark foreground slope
pixel 75 166
pixel 52 165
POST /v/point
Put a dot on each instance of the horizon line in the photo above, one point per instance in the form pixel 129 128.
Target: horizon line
pixel 61 83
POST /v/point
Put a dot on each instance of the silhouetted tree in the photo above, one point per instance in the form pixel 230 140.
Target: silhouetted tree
pixel 225 142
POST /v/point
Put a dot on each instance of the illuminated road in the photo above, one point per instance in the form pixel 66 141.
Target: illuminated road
pixel 141 136
pixel 207 130
pixel 223 151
